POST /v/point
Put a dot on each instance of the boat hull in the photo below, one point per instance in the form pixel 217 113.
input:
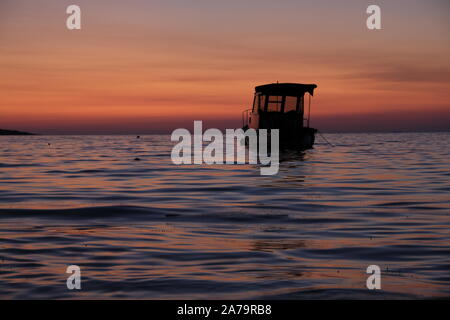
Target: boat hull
pixel 302 139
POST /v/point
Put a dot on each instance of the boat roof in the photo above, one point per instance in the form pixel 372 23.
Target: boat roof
pixel 286 89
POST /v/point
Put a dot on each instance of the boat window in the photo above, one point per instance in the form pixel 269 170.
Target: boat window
pixel 274 104
pixel 262 102
pixel 255 103
pixel 290 104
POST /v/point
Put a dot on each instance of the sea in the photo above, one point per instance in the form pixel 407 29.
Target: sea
pixel 140 227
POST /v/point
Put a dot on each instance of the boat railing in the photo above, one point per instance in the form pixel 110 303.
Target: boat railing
pixel 246 118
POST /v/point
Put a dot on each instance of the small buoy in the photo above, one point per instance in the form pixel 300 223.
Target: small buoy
pixel 137 159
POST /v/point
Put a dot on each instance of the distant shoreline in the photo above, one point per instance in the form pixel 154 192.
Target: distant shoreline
pixel 14 133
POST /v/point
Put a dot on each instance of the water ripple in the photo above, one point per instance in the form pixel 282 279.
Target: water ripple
pixel 149 229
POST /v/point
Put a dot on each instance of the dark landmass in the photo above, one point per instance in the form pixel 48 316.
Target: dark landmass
pixel 14 133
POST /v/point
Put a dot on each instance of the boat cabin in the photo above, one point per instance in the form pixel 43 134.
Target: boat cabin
pixel 282 106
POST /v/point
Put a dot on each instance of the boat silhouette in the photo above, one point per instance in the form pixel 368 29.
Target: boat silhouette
pixel 282 106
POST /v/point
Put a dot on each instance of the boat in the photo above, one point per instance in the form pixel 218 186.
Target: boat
pixel 282 106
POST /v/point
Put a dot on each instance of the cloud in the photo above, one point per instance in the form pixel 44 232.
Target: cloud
pixel 411 120
pixel 406 73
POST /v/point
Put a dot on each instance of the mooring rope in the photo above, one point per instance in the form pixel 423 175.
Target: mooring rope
pixel 320 133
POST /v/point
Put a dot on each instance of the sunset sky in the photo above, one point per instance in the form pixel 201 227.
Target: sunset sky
pixel 152 66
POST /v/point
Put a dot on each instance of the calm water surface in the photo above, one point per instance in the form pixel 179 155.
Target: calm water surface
pixel 150 229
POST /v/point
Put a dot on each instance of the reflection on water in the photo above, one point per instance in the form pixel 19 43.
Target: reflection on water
pixel 149 229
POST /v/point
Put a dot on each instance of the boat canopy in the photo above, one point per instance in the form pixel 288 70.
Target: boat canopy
pixel 286 89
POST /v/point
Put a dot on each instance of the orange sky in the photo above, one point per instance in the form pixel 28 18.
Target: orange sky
pixel 152 66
